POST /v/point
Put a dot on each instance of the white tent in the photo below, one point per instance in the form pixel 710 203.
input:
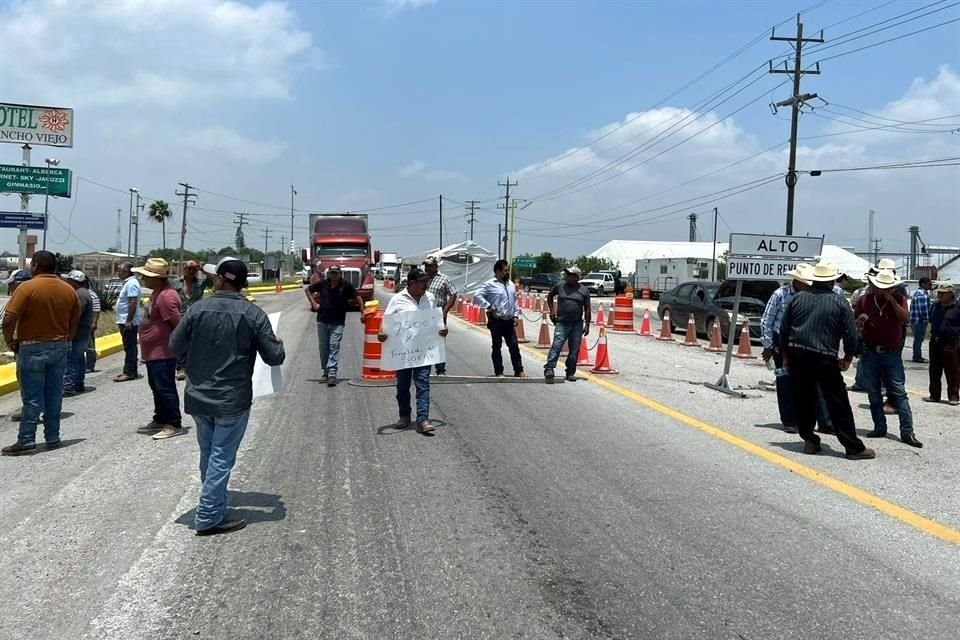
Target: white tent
pixel 950 270
pixel 625 253
pixel 467 264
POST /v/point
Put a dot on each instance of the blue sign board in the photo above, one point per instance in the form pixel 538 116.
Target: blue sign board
pixel 20 220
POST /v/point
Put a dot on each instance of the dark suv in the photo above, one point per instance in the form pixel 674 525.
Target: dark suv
pixel 540 282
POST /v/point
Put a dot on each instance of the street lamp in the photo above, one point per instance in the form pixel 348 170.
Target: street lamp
pixel 51 162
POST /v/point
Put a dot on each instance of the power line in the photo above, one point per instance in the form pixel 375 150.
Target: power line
pixel 888 40
pixel 876 117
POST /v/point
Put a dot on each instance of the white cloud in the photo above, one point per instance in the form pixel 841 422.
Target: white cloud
pixel 85 53
pixel 419 169
pixel 645 195
pixel 231 145
pixel 393 7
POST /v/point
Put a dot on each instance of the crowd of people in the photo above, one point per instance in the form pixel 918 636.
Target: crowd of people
pixel 211 342
pixel 806 322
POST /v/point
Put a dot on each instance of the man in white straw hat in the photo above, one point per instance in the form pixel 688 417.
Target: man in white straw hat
pixel 945 345
pixel 813 326
pixel 156 327
pixel 882 315
pixel 770 339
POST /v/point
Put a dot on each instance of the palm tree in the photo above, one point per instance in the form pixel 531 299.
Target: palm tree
pixel 159 211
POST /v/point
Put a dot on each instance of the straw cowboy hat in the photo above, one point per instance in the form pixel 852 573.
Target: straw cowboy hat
pixel 155 268
pixel 823 272
pixel 800 272
pixel 886 279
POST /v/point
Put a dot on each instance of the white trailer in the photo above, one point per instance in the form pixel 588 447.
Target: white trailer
pixel 662 274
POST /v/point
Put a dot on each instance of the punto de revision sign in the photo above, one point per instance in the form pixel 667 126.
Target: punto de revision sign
pixel 29 124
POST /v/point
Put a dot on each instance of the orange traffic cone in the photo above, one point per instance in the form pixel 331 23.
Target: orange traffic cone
pixel 666 333
pixel 583 358
pixel 601 319
pixel 603 356
pixel 544 341
pixel 521 332
pixel 691 339
pixel 716 341
pixel 645 329
pixel 744 350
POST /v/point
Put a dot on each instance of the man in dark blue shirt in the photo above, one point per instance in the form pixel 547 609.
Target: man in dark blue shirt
pixel 330 298
pixel 945 345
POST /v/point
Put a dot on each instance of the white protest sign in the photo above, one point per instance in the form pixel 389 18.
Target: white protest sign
pixel 266 379
pixel 413 340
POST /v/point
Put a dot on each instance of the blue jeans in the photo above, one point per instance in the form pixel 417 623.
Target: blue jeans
pixel 91 355
pixel 919 333
pixel 563 332
pixel 40 368
pixel 75 375
pixel 329 336
pixel 162 378
pixel 886 369
pixel 420 376
pixel 219 438
pixel 129 350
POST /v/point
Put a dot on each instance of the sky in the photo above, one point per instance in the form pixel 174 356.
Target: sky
pixel 617 119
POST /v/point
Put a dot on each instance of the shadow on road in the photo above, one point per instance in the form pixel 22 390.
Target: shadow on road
pixel 67 443
pixel 392 430
pixel 797 447
pixel 252 506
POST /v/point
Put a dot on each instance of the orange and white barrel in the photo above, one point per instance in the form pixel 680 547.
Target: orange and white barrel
pixel 372 349
pixel 623 314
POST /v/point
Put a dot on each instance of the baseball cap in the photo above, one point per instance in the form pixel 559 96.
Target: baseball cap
pixel 431 260
pixel 945 287
pixel 228 268
pixel 573 270
pixel 76 275
pixel 334 267
pixel 19 275
pixel 416 274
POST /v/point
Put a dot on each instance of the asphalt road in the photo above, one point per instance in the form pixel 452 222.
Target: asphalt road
pixel 565 511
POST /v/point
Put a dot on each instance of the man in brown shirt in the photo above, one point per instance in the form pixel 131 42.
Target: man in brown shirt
pixel 38 324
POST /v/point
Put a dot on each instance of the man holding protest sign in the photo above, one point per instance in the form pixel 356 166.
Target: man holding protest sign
pixel 415 298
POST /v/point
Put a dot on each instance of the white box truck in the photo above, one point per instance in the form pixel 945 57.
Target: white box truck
pixel 659 275
pixel 389 263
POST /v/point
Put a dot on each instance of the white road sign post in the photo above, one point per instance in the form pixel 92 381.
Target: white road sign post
pixel 760 257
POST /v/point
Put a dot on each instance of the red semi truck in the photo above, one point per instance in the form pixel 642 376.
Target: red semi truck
pixel 342 239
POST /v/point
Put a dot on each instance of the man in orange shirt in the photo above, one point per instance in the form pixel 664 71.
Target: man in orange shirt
pixel 44 313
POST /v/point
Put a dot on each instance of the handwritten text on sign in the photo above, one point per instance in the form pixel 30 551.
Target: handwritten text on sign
pixel 413 340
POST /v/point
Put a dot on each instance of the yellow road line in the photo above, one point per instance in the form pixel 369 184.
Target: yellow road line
pixel 891 509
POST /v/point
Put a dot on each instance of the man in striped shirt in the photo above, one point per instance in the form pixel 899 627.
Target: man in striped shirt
pixel 91 359
pixel 920 316
pixel 444 293
pixel 813 326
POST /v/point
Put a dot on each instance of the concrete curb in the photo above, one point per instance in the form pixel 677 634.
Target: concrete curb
pixel 106 345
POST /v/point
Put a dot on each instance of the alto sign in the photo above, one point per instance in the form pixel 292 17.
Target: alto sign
pixel 29 124
pixel 796 247
pixel 765 257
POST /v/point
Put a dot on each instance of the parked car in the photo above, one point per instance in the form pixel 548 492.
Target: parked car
pixel 708 301
pixel 599 283
pixel 540 282
pixel 254 278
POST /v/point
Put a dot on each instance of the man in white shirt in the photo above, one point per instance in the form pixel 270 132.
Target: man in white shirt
pixel 414 298
pixel 499 298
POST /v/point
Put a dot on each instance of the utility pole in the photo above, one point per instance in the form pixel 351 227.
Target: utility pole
pixel 441 222
pixel 266 248
pixel 506 211
pixel 713 263
pixel 795 101
pixel 471 206
pixel 239 240
pixel 119 242
pixel 499 235
pixel 293 192
pixel 871 214
pixel 24 208
pixel 132 191
pixel 188 198
pixel 876 250
pixel 693 226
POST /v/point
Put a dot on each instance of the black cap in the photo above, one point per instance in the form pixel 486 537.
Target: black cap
pixel 416 274
pixel 234 271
